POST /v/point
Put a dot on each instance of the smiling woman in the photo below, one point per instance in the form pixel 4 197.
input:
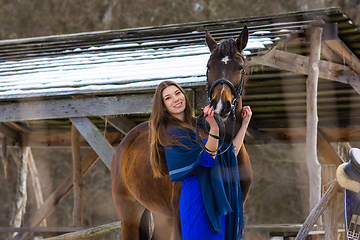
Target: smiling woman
pixel 174 101
pixel 175 152
pixel 167 180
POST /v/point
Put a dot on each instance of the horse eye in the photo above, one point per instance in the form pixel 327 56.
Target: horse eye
pixel 208 67
pixel 241 67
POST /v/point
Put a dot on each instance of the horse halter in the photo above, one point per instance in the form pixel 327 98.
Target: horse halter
pixel 222 132
pixel 237 93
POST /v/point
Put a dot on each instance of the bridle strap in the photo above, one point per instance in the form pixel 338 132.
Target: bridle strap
pixel 236 92
pixel 222 81
pixel 240 89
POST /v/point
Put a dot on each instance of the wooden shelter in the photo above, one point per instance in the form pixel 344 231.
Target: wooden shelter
pixel 104 81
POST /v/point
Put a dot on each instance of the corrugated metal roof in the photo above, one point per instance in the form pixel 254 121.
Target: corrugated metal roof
pixel 117 65
pixel 115 61
pixel 132 60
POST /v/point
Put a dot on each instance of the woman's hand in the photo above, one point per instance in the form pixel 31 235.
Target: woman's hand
pixel 212 142
pixel 239 138
pixel 246 114
pixel 209 111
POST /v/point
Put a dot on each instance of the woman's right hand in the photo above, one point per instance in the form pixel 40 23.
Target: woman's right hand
pixel 212 142
pixel 209 111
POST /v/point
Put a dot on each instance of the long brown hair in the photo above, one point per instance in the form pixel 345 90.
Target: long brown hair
pixel 160 120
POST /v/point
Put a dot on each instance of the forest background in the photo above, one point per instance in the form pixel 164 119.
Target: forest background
pixel 280 189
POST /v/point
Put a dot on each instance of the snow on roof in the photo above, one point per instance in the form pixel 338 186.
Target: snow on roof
pixel 106 72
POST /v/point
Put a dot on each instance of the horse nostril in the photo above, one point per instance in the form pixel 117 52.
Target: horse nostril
pixel 227 106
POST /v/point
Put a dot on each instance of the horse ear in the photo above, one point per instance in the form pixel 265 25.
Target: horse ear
pixel 242 40
pixel 210 41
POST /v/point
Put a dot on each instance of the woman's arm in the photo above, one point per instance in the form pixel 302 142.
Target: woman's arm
pixel 239 138
pixel 212 143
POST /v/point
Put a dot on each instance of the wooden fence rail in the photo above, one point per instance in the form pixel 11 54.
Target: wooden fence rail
pixel 89 232
pixel 318 210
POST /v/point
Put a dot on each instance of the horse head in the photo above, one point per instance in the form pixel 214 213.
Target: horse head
pixel 225 72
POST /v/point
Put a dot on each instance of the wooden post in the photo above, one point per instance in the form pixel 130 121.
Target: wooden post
pixel 77 178
pixel 312 163
pixel 328 174
pixel 35 181
pixel 4 154
pixel 21 191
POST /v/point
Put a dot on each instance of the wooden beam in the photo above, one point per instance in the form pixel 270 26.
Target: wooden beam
pixel 84 107
pixel 330 55
pixel 297 135
pixel 64 139
pixel 89 232
pixel 9 133
pixel 313 165
pixel 121 123
pixel 77 178
pixel 326 150
pixel 300 64
pixel 345 53
pixel 350 59
pixel 19 127
pixel 95 138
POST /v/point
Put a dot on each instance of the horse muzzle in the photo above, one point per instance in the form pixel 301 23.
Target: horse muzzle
pixel 222 108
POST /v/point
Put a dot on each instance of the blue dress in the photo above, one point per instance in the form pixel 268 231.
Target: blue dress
pixel 195 223
pixel 210 198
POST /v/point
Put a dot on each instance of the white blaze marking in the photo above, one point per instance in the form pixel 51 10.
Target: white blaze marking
pixel 219 103
pixel 226 59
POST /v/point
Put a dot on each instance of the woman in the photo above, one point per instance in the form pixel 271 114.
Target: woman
pixel 210 194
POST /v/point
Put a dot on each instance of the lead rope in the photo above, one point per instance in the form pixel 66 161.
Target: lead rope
pixel 222 132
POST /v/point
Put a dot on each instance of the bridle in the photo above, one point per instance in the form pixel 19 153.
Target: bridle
pixel 237 93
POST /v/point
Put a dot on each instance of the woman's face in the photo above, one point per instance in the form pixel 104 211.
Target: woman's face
pixel 174 101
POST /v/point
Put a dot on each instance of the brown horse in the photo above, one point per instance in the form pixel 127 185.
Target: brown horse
pixel 136 192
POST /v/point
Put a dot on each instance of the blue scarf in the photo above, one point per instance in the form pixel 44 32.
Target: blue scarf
pixel 220 184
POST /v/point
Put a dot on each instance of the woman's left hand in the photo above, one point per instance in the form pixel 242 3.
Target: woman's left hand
pixel 246 114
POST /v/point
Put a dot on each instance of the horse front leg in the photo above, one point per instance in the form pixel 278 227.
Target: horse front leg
pixel 245 171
